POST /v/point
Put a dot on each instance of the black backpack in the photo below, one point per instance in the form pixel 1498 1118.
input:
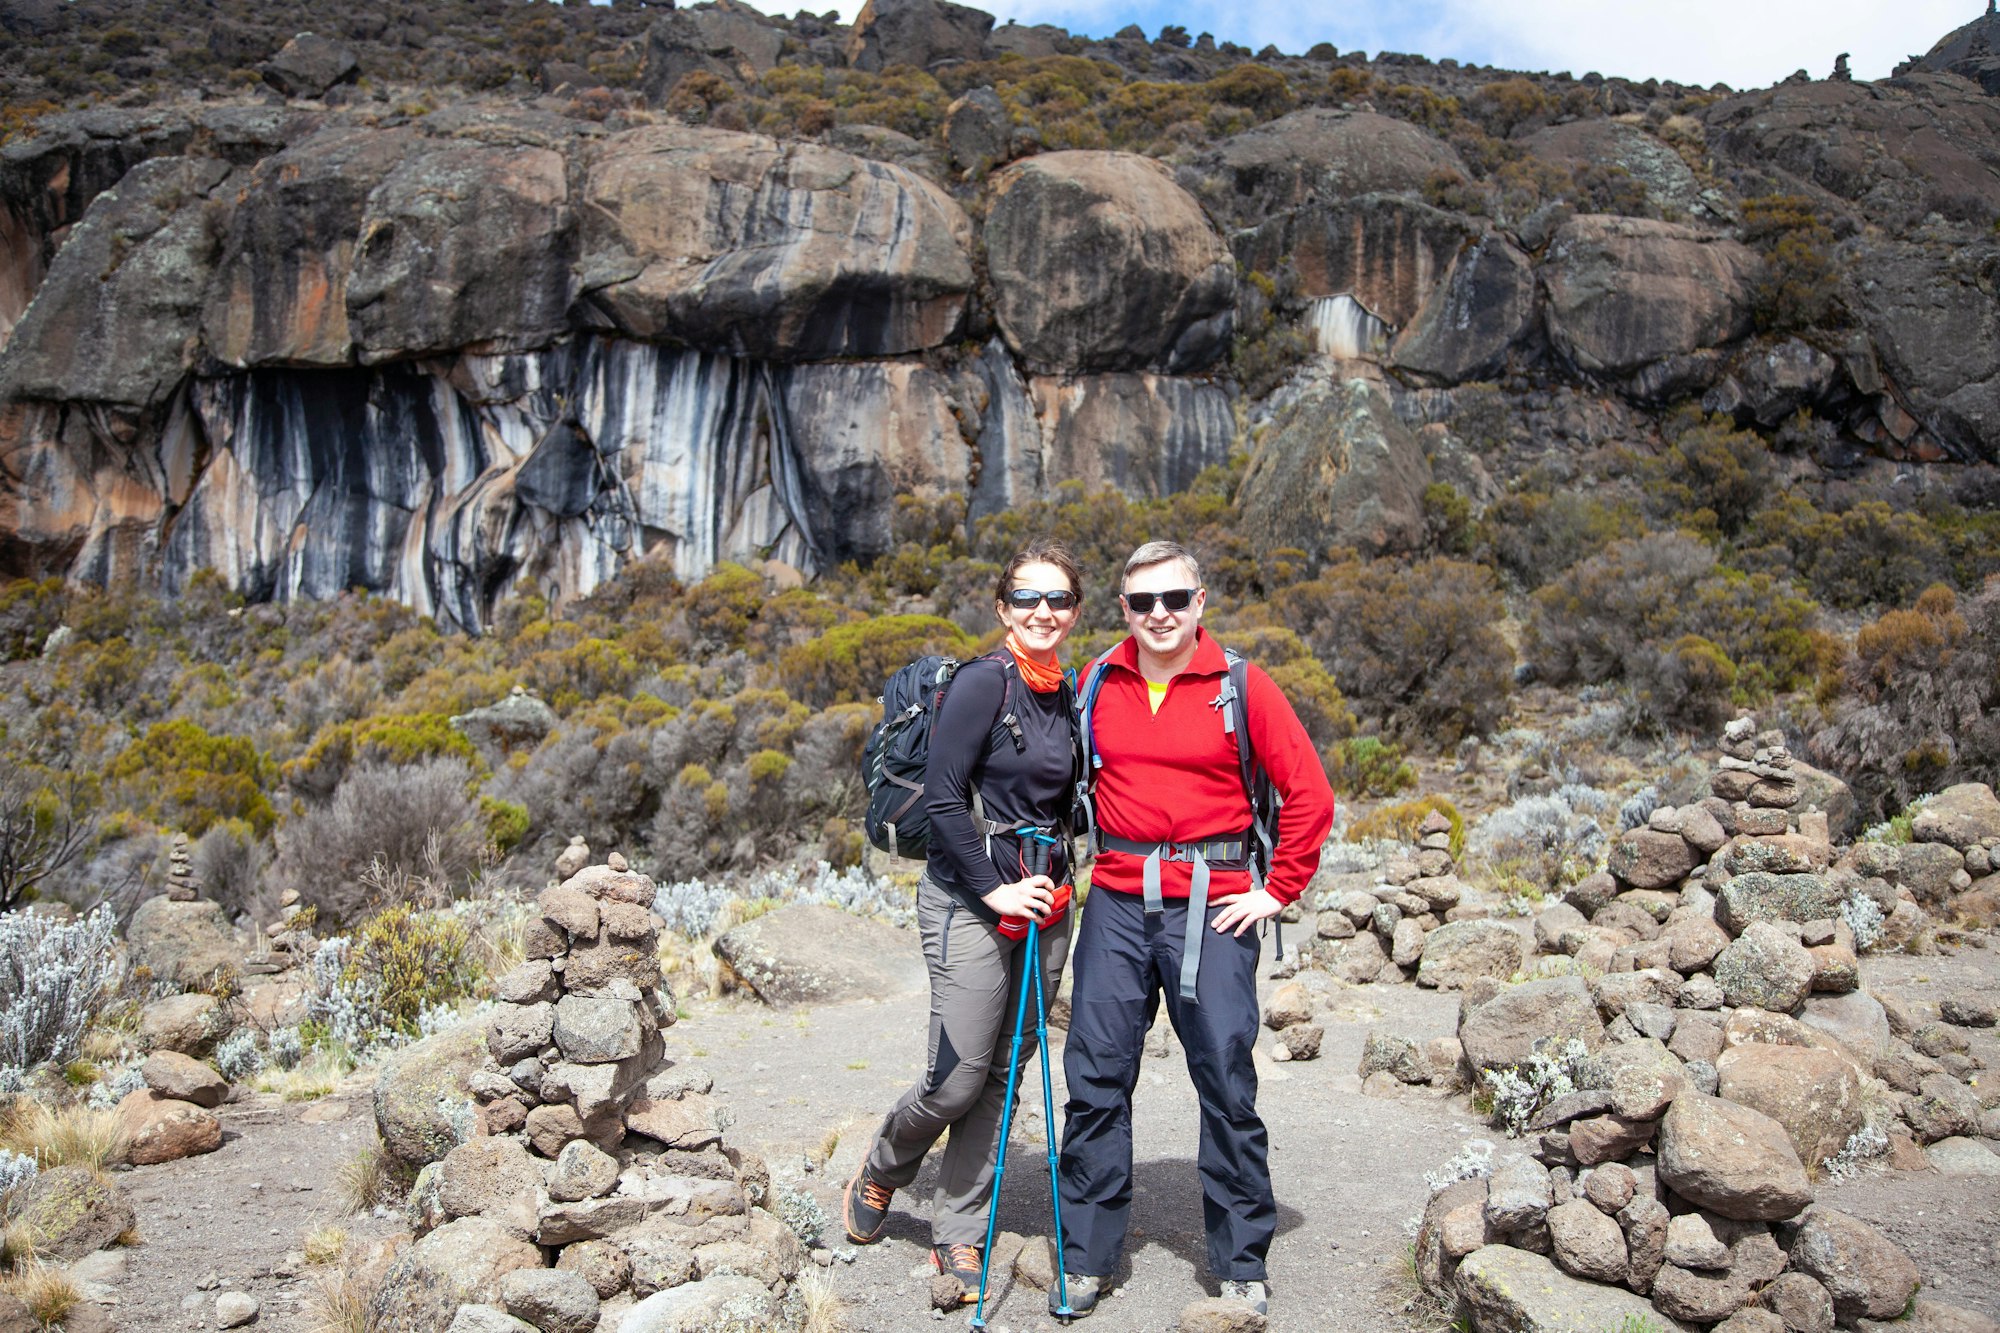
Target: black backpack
pixel 899 749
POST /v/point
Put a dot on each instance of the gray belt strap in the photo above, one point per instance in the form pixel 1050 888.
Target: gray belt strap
pixel 1197 917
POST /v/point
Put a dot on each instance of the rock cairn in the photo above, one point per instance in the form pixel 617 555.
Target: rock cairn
pixel 590 1185
pixel 1694 1048
pixel 577 1029
pixel 182 885
pixel 173 1116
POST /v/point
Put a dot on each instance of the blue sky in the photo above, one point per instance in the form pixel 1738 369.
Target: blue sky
pixel 1744 43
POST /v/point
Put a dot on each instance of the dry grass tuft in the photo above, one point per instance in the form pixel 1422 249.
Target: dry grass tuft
pixel 311 1078
pixel 75 1135
pixel 1406 1301
pixel 325 1245
pixel 17 1243
pixel 337 1302
pixel 824 1310
pixel 365 1179
pixel 48 1292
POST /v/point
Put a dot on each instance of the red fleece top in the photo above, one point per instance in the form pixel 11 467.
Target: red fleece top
pixel 1173 776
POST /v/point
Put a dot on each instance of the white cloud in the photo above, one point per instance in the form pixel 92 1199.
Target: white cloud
pixel 1744 43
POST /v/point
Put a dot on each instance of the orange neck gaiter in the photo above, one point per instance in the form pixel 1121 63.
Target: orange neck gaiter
pixel 1042 677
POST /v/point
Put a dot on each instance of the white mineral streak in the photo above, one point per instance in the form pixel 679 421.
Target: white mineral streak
pixel 1346 330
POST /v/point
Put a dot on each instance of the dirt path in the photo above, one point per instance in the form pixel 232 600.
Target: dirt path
pixel 228 1221
pixel 1349 1170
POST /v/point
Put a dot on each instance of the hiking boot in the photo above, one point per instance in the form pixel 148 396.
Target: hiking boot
pixel 1083 1292
pixel 962 1262
pixel 1254 1294
pixel 864 1207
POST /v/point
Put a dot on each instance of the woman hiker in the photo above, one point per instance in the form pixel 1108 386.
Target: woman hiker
pixel 1002 759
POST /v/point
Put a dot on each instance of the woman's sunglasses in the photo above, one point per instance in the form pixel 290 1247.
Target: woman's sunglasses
pixel 1027 599
pixel 1174 599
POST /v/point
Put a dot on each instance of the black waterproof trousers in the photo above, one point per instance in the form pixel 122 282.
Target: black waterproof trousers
pixel 1123 963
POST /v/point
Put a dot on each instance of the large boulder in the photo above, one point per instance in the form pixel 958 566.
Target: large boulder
pixel 1926 1315
pixel 423 1101
pixel 916 32
pixel 115 320
pixel 71 1211
pixel 1099 261
pixel 1386 252
pixel 279 296
pixel 1317 154
pixel 1867 1274
pixel 1647 858
pixel 812 954
pixel 464 244
pixel 164 1129
pixel 185 943
pixel 1473 317
pixel 699 1307
pixel 1814 1094
pixel 1337 466
pixel 172 1074
pixel 1856 1020
pixel 1938 336
pixel 1732 1159
pixel 1503 1031
pixel 310 64
pixel 460 1262
pixel 1513 1291
pixel 1459 951
pixel 1143 434
pixel 1822 791
pixel 189 1023
pixel 1671 187
pixel 1627 292
pixel 1960 816
pixel 1766 969
pixel 1763 896
pixel 787 251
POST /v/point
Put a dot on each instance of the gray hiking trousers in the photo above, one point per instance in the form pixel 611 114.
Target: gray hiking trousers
pixel 975 980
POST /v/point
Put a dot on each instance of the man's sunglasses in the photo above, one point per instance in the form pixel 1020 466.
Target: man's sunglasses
pixel 1174 599
pixel 1027 599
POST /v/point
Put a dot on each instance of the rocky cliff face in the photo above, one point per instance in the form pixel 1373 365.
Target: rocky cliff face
pixel 502 347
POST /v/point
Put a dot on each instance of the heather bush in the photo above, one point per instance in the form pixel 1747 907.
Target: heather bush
pixel 1414 647
pixel 180 776
pixel 1614 614
pixel 420 817
pixel 1368 766
pixel 54 978
pixel 583 779
pixel 407 962
pixel 849 662
pixel 1919 707
pixel 1542 842
pixel 29 613
pixel 1710 476
pixel 1799 284
pixel 229 861
pixel 387 738
pixel 1869 555
pixel 1533 534
pixel 1403 820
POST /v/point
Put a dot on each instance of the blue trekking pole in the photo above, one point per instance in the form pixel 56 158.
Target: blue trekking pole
pixel 1036 845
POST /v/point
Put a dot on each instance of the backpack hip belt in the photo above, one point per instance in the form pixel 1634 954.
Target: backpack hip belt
pixel 1202 856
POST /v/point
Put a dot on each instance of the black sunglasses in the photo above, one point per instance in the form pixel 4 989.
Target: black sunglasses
pixel 1174 599
pixel 1026 599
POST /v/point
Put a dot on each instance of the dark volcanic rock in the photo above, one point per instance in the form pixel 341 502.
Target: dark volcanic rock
pixel 1625 292
pixel 916 32
pixel 1670 186
pixel 116 318
pixel 1318 155
pixel 1100 262
pixel 1472 317
pixel 1336 466
pixel 1936 327
pixel 789 251
pixel 309 64
pixel 1388 252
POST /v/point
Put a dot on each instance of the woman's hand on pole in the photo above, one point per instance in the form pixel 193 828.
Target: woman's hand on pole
pixel 1032 897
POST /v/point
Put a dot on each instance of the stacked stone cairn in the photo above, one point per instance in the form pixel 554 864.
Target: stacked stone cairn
pixel 182 886
pixel 588 1184
pixel 1693 1051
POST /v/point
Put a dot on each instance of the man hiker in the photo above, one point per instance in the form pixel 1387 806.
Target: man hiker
pixel 1174 822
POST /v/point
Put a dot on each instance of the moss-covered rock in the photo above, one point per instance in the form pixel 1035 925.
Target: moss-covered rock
pixel 72 1212
pixel 423 1105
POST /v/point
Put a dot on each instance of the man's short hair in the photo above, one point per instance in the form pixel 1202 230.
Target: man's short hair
pixel 1158 553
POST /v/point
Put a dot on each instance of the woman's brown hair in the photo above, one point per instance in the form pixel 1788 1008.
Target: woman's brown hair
pixel 1048 551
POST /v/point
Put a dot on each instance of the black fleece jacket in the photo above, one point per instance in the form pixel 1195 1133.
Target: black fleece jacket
pixel 972 750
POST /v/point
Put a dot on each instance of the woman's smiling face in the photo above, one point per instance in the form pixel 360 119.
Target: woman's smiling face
pixel 1039 628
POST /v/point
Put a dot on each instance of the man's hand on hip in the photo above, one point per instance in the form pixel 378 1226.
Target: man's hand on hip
pixel 1240 911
